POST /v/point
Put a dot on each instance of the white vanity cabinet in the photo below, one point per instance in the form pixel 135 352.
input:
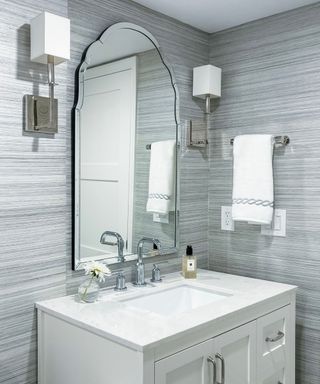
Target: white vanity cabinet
pixel 247 338
pixel 259 352
pixel 229 358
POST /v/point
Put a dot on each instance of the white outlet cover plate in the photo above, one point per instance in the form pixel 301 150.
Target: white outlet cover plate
pixel 226 225
pixel 278 226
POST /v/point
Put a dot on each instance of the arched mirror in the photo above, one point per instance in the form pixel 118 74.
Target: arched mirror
pixel 125 148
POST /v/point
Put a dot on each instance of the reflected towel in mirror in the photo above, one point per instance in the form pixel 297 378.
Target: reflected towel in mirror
pixel 162 177
pixel 253 195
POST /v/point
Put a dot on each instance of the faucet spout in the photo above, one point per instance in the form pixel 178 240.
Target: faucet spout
pixel 140 275
pixel 119 242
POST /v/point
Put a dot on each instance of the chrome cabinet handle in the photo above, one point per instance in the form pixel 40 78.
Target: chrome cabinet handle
pixel 279 336
pixel 214 366
pixel 220 357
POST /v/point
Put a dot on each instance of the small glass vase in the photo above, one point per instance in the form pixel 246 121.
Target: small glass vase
pixel 88 291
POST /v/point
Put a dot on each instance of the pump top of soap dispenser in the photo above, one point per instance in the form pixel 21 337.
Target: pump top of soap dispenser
pixel 189 250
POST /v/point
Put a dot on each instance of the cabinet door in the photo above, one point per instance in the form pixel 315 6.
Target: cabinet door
pixel 235 355
pixel 190 366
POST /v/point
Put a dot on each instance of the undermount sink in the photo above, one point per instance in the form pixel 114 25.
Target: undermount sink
pixel 176 300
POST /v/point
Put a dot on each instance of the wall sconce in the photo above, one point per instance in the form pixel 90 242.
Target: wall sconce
pixel 50 45
pixel 207 83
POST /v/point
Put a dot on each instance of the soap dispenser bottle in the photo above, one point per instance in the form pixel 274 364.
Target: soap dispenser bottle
pixel 189 264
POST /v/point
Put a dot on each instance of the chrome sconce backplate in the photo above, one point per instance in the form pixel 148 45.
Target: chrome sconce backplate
pixel 197 133
pixel 38 116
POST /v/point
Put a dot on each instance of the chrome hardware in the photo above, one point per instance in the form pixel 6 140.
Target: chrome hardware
pixel 119 243
pixel 201 140
pixel 214 366
pixel 120 282
pixel 279 336
pixel 156 274
pixel 148 146
pixel 37 111
pixel 220 357
pixel 41 113
pixel 52 83
pixel 278 140
pixel 140 278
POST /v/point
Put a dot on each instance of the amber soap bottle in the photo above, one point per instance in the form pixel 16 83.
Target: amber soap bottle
pixel 189 264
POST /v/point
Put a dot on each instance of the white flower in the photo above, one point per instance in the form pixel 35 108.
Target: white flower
pixel 97 270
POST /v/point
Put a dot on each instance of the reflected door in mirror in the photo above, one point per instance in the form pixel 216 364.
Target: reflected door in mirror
pixel 107 135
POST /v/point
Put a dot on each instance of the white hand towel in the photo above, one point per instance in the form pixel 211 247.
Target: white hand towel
pixel 162 177
pixel 253 195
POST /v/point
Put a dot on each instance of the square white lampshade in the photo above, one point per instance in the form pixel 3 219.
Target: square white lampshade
pixel 207 81
pixel 50 36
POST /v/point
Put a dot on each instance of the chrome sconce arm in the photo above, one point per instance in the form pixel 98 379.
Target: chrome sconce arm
pixel 52 84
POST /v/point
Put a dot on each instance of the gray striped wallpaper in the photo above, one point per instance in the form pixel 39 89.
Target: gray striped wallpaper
pixel 35 172
pixel 271 84
pixel 33 196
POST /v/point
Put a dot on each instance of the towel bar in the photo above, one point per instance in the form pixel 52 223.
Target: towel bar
pixel 148 146
pixel 278 140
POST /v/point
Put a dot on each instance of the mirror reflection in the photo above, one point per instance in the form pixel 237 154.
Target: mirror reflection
pixel 125 148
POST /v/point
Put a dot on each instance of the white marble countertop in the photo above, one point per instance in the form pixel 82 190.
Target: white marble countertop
pixel 140 329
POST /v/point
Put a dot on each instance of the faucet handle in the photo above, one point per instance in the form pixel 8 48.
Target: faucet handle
pixel 156 274
pixel 120 282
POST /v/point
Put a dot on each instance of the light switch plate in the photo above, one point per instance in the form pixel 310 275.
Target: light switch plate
pixel 161 218
pixel 227 224
pixel 278 226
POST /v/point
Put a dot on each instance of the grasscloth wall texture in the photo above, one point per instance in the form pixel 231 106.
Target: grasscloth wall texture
pixel 33 195
pixel 271 84
pixel 35 173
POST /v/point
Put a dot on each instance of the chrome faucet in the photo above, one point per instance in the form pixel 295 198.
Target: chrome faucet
pixel 119 243
pixel 140 279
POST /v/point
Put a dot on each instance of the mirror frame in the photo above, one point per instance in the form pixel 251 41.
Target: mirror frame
pixel 78 101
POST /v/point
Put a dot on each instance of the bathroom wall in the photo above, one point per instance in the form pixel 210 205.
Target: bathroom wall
pixel 271 84
pixel 35 172
pixel 34 230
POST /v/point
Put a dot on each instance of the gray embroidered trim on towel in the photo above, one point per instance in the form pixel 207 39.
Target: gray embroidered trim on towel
pixel 263 203
pixel 159 196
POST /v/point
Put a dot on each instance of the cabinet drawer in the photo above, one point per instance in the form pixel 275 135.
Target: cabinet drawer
pixel 273 346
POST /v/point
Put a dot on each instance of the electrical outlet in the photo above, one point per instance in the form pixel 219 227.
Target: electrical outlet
pixel 227 224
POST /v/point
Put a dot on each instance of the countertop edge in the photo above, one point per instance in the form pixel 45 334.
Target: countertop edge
pixel 142 348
